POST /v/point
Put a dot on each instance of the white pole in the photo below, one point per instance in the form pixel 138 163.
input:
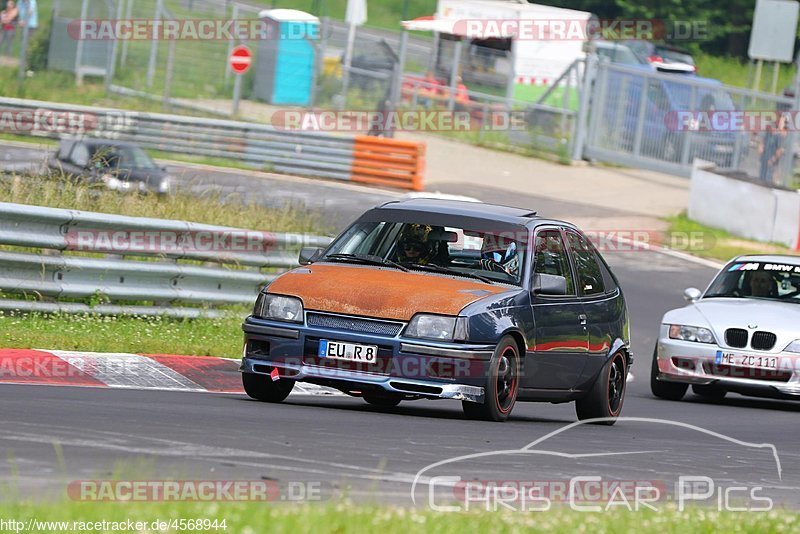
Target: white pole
pixel 348 60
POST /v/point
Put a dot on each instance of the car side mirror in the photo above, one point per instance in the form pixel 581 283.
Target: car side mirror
pixel 549 284
pixel 309 255
pixel 692 294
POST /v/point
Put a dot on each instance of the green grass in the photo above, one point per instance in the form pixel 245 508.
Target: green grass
pixel 382 14
pixel 199 337
pixel 345 518
pixel 219 337
pixel 717 244
pixel 733 71
pixel 208 208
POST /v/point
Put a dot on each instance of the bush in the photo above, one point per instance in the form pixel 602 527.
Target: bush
pixel 39 47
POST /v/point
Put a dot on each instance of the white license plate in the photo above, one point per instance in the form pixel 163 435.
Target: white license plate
pixel 746 360
pixel 348 351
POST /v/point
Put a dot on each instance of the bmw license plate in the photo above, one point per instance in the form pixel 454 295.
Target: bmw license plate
pixel 351 352
pixel 746 360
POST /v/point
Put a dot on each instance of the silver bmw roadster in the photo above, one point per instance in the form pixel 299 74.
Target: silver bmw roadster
pixel 741 335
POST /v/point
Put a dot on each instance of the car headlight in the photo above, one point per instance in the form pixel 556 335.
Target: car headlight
pixel 437 327
pixel 278 308
pixel 163 187
pixel 691 333
pixel 794 346
pixel 111 181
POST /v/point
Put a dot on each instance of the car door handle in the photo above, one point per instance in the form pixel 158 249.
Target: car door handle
pixel 582 318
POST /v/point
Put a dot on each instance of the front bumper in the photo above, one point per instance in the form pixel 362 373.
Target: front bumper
pixel 410 367
pixel 695 363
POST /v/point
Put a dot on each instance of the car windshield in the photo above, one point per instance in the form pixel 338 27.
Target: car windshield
pixel 758 280
pixel 705 98
pixel 618 54
pixel 494 257
pixel 133 157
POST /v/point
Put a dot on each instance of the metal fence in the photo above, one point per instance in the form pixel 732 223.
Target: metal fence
pixel 654 120
pixel 195 73
pixel 134 264
pixel 618 114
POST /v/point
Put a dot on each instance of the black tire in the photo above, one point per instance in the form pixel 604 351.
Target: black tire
pixel 607 395
pixel 709 391
pixel 263 388
pixel 502 384
pixel 665 390
pixel 384 400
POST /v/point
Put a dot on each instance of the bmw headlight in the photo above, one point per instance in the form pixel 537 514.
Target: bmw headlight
pixel 691 333
pixel 279 308
pixel 794 346
pixel 438 327
pixel 164 186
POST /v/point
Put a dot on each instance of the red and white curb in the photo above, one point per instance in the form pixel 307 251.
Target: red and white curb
pixel 129 371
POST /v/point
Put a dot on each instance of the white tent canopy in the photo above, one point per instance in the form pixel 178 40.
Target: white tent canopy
pixel 460 28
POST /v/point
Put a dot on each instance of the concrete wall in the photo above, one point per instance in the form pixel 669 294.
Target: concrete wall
pixel 742 207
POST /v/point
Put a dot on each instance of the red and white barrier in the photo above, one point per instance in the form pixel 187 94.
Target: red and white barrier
pixel 128 371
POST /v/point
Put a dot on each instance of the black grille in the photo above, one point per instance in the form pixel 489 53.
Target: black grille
pixel 763 340
pixel 736 337
pixel 353 324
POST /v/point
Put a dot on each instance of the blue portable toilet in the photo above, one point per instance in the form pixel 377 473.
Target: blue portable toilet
pixel 286 57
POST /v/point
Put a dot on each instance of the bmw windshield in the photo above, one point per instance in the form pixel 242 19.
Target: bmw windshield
pixel 758 280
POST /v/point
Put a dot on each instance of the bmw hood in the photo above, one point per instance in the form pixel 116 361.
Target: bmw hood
pixel 380 292
pixel 780 318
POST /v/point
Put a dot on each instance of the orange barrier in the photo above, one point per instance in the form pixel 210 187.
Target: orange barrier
pixel 388 162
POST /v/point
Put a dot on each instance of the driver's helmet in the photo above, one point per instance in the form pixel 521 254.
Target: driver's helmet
pixel 500 254
pixel 414 244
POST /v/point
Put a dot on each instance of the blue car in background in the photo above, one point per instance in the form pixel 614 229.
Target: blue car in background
pixel 663 135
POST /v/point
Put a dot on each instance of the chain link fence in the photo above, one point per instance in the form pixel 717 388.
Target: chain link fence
pixel 664 121
pixel 619 114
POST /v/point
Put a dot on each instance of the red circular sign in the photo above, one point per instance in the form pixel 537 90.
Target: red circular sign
pixel 240 59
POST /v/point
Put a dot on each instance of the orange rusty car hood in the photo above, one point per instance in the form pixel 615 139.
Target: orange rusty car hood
pixel 378 292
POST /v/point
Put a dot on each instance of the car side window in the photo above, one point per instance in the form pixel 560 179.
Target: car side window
pixel 80 155
pixel 551 257
pixel 590 276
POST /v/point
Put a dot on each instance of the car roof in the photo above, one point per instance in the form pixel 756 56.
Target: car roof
pixel 466 208
pixel 768 258
pixel 94 142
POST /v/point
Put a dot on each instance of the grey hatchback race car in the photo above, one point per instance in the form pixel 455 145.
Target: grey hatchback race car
pixel 427 299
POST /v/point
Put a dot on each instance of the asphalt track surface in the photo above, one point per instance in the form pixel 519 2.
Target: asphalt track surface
pixel 53 435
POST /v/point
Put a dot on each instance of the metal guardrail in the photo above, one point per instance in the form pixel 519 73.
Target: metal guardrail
pixel 238 257
pixel 292 152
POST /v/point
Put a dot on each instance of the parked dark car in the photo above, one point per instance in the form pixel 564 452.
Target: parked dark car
pixel 117 165
pixel 429 298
